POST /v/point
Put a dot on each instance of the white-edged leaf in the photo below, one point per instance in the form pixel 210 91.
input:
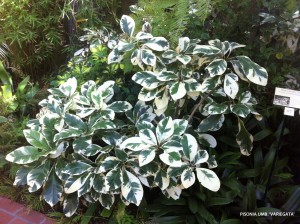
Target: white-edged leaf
pixel 69 87
pixel 143 36
pixel 254 72
pixel 183 43
pixel 147 79
pixel 216 67
pixel 124 46
pixel 147 95
pixel 210 83
pixel 135 56
pixel 171 146
pixel 67 133
pixel 189 146
pixel 244 139
pixel 119 106
pixel 211 123
pixel 177 90
pixel 167 76
pixel 174 192
pixel 164 129
pixel 208 179
pixel 148 137
pixel 113 180
pixel 187 178
pixel 99 183
pixel 157 44
pixel 36 139
pixel 21 175
pixel 109 163
pixel 127 25
pixel 206 50
pixel 231 87
pixel 133 143
pixel 74 183
pixel 173 159
pixel 115 56
pixel 238 70
pixel 161 179
pixel 180 126
pixel 70 204
pixel 107 200
pixel 103 124
pixel 184 59
pixel 201 157
pixel 217 108
pixel 148 57
pixel 37 176
pixel 24 155
pixel 162 100
pixel 76 168
pixel 207 140
pixel 53 189
pixel 240 109
pixel 75 122
pixel 146 156
pixel 131 188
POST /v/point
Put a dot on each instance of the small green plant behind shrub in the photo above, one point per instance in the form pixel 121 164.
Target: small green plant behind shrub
pixel 84 144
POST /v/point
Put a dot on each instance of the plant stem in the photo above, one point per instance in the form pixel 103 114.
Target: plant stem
pixel 198 105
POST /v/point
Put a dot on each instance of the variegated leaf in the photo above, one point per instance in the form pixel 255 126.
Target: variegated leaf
pixel 133 143
pixel 146 156
pixel 127 25
pixel 74 183
pixel 147 79
pixel 180 126
pixel 162 100
pixel 77 168
pixel 148 137
pixel 99 183
pixel 238 70
pixel 107 200
pixel 177 90
pixel 124 46
pixel 187 178
pixel 183 44
pixel 210 83
pixel 231 87
pixel 37 176
pixel 148 57
pixel 174 192
pixel 211 162
pixel 164 129
pixel 109 163
pixel 167 76
pixel 184 59
pixel 115 56
pixel 103 124
pixel 207 140
pixel 75 122
pixel 244 139
pixel 143 36
pixel 208 179
pixel 173 159
pixel 206 50
pixel 201 157
pixel 70 204
pixel 217 108
pixel 161 179
pixel 189 146
pixel 21 175
pixel 169 56
pixel 135 56
pixel 171 146
pixel 69 87
pixel 53 189
pixel 131 188
pixel 245 97
pixel 119 106
pixel 157 44
pixel 240 109
pixel 36 139
pixel 24 155
pixel 254 72
pixel 216 67
pixel 211 123
pixel 147 95
pixel 113 180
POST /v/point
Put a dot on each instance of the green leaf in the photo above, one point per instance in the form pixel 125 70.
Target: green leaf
pixel 107 200
pixel 131 189
pixel 231 87
pixel 216 67
pixel 215 201
pixel 75 122
pixel 207 140
pixel 76 168
pixel 164 129
pixel 208 179
pixel 148 57
pixel 103 124
pixel 113 180
pixel 53 189
pixel 146 156
pixel 189 146
pixel 37 176
pixel 206 50
pixel 3 119
pixel 70 204
pixel 240 109
pixel 127 25
pixel 157 44
pixel 67 133
pixel 5 77
pixel 147 79
pixel 36 139
pixel 119 106
pixel 244 139
pixel 253 71
pixel 24 155
pixel 211 123
pixel 177 90
pixel 188 178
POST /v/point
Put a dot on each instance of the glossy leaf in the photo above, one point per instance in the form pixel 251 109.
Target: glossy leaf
pixel 216 67
pixel 157 44
pixel 208 179
pixel 127 25
pixel 211 123
pixel 53 189
pixel 131 189
pixel 187 178
pixel 24 155
pixel 244 139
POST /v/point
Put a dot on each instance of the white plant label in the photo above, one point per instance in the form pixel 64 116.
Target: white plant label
pixel 287 98
pixel 289 111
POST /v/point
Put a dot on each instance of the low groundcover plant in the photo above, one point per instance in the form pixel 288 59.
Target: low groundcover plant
pixel 86 145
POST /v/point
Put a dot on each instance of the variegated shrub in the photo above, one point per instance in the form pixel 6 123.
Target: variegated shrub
pixel 84 145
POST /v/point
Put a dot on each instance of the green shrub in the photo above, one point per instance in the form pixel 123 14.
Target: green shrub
pixel 85 145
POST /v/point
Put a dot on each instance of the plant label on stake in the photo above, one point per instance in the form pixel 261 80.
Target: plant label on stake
pixel 289 111
pixel 287 98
